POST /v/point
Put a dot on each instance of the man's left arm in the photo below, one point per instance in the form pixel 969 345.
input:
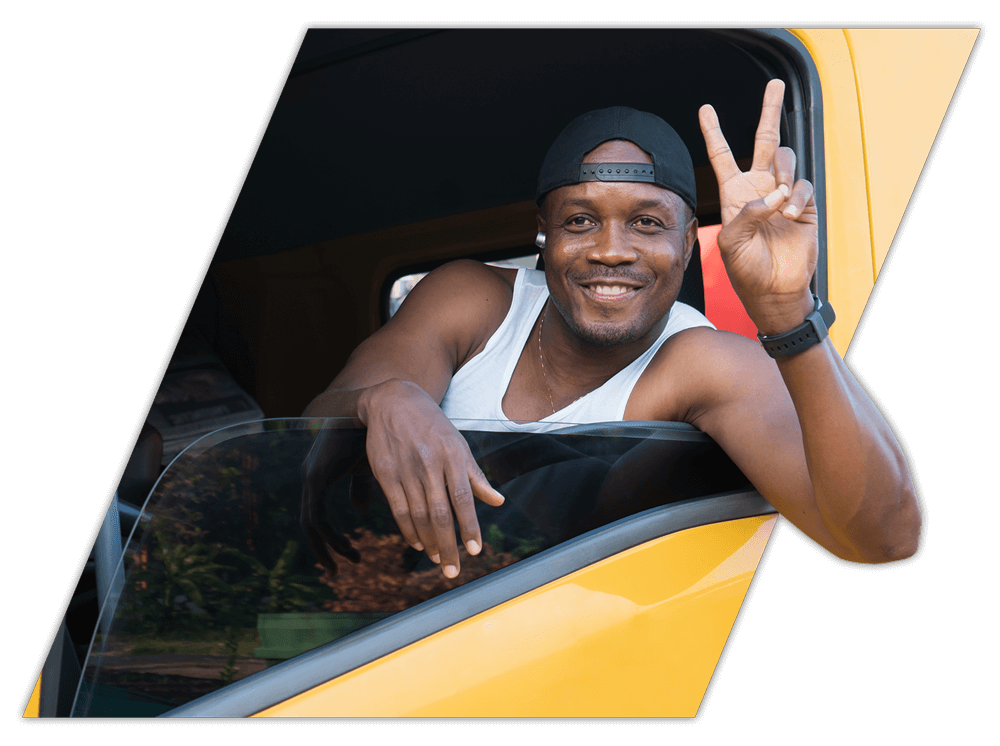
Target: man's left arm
pixel 859 476
pixel 811 440
pixel 800 427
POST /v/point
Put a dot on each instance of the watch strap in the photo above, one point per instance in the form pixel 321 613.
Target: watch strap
pixel 810 332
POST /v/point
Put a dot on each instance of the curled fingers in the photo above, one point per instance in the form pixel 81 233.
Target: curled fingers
pixel 407 518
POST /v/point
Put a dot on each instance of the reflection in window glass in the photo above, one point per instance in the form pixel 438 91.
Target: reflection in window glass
pixel 406 283
pixel 223 584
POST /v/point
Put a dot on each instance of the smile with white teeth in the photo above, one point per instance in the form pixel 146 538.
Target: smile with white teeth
pixel 610 292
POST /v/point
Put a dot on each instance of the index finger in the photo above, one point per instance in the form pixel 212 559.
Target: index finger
pixel 768 137
pixel 719 154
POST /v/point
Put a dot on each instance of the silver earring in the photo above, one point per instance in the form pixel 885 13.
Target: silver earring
pixel 540 240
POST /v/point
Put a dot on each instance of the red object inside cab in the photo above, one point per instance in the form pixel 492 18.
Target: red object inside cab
pixel 722 305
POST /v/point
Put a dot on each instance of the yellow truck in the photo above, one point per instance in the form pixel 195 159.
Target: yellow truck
pixel 390 152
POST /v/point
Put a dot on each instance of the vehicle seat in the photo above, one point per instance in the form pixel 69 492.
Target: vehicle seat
pixel 722 306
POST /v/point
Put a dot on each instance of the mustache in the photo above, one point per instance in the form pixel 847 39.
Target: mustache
pixel 611 275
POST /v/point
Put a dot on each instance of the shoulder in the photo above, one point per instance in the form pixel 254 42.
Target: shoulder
pixel 460 284
pixel 698 370
pixel 461 302
pixel 461 287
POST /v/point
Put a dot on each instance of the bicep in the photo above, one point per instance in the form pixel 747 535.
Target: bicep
pixel 446 317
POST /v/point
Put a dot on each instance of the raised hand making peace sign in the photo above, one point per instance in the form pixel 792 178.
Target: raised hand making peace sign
pixel 769 236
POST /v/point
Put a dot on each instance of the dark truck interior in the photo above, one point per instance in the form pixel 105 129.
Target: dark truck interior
pixel 390 152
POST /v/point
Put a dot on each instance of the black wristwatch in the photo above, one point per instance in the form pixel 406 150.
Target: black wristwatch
pixel 810 332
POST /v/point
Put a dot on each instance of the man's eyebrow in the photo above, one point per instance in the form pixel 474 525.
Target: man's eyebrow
pixel 646 203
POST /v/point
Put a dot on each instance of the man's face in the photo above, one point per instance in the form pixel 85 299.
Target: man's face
pixel 615 252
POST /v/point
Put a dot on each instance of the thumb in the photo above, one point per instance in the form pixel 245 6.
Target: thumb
pixel 742 228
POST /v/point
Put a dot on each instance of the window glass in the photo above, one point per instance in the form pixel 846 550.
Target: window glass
pixel 401 287
pixel 222 583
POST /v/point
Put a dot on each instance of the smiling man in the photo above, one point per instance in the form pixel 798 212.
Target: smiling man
pixel 601 337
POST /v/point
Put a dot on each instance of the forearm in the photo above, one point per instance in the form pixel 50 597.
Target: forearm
pixel 860 480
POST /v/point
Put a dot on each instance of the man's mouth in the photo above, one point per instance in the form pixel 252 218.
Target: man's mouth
pixel 610 292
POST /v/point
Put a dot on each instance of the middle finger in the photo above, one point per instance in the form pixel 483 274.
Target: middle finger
pixel 463 501
pixel 767 139
pixel 443 524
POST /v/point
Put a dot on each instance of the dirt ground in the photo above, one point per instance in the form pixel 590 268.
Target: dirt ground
pixel 393 577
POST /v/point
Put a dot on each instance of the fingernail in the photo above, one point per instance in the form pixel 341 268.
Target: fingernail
pixel 791 211
pixel 784 190
pixel 418 546
pixel 473 547
pixel 774 198
pixel 436 559
pixel 450 571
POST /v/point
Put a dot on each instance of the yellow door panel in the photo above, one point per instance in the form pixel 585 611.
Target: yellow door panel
pixel 885 92
pixel 849 240
pixel 906 78
pixel 637 634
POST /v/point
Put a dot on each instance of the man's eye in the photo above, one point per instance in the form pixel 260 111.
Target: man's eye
pixel 647 223
pixel 579 220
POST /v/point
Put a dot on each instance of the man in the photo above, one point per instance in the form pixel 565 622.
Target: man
pixel 603 334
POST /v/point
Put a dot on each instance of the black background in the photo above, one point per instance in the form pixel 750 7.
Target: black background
pixel 816 635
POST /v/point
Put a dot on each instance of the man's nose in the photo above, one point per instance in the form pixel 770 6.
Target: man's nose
pixel 612 247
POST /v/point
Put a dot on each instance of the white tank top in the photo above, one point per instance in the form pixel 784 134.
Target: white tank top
pixel 477 389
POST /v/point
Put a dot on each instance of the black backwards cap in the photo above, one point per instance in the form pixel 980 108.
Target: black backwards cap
pixel 671 167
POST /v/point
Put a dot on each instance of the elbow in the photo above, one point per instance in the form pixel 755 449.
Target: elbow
pixel 891 522
pixel 320 406
pixel 909 539
pixel 905 527
pixel 897 536
pixel 905 547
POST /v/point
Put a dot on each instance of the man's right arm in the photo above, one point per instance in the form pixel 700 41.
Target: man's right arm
pixel 445 320
pixel 394 383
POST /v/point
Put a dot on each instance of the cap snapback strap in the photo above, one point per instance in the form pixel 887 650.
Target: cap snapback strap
pixel 616 172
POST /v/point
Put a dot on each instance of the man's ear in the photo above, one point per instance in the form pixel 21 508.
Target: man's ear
pixel 540 220
pixel 690 237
